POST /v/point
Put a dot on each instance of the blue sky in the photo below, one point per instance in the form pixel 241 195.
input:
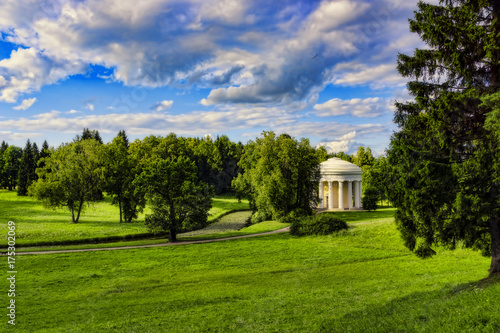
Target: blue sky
pixel 325 70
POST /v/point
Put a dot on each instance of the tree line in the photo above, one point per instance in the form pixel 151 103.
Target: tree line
pixel 176 176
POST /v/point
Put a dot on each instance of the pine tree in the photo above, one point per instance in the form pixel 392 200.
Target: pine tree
pixel 44 153
pixel 3 178
pixel 445 163
pixel 26 173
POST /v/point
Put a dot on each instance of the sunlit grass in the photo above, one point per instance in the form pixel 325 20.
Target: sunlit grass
pixel 360 280
pixel 36 224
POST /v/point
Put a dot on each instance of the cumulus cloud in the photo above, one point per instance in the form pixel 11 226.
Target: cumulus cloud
pixel 27 70
pixel 192 123
pixel 376 77
pixel 368 107
pixel 89 106
pixel 344 144
pixel 26 104
pixel 247 52
pixel 11 136
pixel 163 105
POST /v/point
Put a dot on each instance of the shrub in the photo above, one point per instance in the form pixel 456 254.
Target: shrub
pixel 259 216
pixel 322 224
pixel 370 198
pixel 294 215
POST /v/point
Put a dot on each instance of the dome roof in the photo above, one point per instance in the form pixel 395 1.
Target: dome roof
pixel 336 165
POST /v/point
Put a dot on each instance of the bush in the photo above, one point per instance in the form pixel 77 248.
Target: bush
pixel 322 224
pixel 294 215
pixel 259 216
pixel 370 198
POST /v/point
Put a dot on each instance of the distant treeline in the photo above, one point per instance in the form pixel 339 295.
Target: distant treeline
pixel 278 173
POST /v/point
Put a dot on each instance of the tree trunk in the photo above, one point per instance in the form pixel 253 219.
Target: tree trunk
pixel 72 214
pixel 79 211
pixel 495 83
pixel 172 235
pixel 495 245
pixel 120 206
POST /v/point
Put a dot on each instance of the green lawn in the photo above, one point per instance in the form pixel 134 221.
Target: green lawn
pixel 361 280
pixel 36 225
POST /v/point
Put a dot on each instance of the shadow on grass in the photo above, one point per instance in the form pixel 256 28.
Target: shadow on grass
pixel 468 307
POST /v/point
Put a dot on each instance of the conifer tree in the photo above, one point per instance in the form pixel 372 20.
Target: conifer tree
pixel 26 173
pixel 445 162
pixel 3 178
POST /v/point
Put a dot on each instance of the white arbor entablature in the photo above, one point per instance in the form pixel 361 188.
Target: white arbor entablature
pixel 340 185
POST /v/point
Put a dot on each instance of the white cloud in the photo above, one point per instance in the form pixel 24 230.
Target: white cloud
pixel 12 136
pixel 27 70
pixel 244 51
pixel 380 76
pixel 345 144
pixel 192 123
pixel 89 106
pixel 26 104
pixel 332 14
pixel 163 105
pixel 368 107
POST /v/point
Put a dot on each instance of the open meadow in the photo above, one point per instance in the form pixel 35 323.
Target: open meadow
pixel 360 280
pixel 37 225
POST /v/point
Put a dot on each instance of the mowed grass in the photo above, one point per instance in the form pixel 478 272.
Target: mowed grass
pixel 361 280
pixel 37 225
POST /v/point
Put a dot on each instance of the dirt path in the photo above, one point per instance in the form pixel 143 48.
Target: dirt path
pixel 156 245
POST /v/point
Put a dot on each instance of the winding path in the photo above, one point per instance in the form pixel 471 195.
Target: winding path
pixel 156 245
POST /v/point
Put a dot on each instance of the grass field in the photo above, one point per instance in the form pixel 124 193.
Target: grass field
pixel 39 225
pixel 361 280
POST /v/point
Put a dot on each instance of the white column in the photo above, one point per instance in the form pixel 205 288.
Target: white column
pixel 341 195
pixel 349 194
pixel 330 195
pixel 360 196
pixel 356 195
pixel 321 194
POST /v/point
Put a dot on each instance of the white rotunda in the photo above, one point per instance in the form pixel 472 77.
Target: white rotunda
pixel 340 185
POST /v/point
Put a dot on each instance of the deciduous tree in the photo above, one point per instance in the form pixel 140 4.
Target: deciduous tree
pixel 279 174
pixel 178 199
pixel 11 158
pixel 121 170
pixel 71 176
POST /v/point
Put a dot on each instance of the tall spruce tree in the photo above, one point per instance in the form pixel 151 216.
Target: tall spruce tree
pixel 27 166
pixel 3 178
pixel 445 162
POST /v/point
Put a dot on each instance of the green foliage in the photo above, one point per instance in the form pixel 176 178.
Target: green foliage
pixel 321 224
pixel 10 166
pixel 179 201
pixel 260 216
pixel 36 225
pixel 364 157
pixel 121 170
pixel 72 175
pixel 89 135
pixel 27 167
pixel 279 174
pixel 370 198
pixel 445 169
pixel 344 156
